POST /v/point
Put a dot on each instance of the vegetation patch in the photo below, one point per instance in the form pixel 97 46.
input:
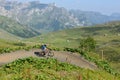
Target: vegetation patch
pixel 49 69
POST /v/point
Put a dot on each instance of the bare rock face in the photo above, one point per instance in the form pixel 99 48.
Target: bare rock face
pixel 45 17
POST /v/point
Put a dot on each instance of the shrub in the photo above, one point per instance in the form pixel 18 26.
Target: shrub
pixel 88 44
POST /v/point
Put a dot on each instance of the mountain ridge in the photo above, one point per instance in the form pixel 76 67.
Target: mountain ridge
pixel 40 16
pixel 48 17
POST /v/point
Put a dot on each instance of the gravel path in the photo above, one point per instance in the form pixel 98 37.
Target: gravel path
pixel 74 58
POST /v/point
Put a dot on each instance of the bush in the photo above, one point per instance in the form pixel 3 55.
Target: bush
pixel 71 49
pixel 88 44
pixel 5 50
pixel 19 44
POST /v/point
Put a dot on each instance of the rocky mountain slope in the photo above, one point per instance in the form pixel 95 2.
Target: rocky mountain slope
pixel 88 18
pixel 44 17
pixel 49 17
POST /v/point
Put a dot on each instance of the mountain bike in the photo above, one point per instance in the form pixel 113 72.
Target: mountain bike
pixel 47 53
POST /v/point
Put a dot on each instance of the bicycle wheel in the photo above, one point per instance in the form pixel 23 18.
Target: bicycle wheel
pixel 51 54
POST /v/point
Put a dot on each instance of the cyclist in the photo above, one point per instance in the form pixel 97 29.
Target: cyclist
pixel 44 48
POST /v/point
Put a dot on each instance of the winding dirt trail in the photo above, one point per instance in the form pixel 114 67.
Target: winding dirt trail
pixel 74 58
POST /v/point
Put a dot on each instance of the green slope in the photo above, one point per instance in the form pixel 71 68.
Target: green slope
pixel 49 69
pixel 72 36
pixel 7 36
pixel 15 28
pixel 6 39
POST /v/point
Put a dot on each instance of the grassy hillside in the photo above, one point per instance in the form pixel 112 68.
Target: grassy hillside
pixel 10 42
pixel 72 37
pixel 107 37
pixel 11 33
pixel 49 69
pixel 6 39
pixel 15 28
pixel 7 36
